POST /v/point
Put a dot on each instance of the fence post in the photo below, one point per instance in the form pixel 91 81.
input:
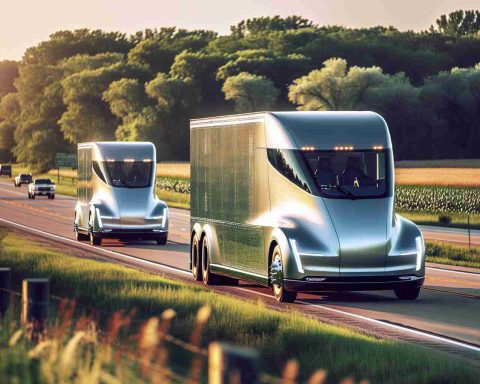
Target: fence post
pixel 468 226
pixel 231 364
pixel 35 303
pixel 5 286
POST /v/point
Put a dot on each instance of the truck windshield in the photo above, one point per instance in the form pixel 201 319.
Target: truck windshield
pixel 349 174
pixel 43 181
pixel 126 174
pixel 336 174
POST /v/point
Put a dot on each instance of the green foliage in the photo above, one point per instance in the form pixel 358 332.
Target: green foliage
pixel 9 115
pixel 454 97
pixel 154 55
pixel 334 88
pixel 64 44
pixel 250 92
pixel 174 184
pixel 110 287
pixel 459 23
pixel 443 253
pixel 275 23
pixel 8 73
pixel 438 199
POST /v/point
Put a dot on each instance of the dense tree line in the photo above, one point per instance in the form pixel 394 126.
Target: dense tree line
pixel 94 85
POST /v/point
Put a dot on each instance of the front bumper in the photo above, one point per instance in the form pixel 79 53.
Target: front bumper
pixel 132 234
pixel 357 283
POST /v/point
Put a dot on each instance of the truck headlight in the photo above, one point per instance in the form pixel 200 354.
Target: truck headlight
pixel 420 251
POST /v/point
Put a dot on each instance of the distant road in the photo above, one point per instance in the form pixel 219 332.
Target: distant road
pixel 445 316
pixel 451 235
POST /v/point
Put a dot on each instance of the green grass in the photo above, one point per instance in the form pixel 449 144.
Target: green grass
pixel 444 253
pixel 279 336
pixel 433 218
pixel 174 199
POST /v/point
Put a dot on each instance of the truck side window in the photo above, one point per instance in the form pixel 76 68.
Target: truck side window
pixel 286 162
pixel 98 171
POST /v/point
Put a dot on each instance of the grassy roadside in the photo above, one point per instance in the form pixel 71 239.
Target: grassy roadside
pixel 444 253
pixel 278 336
pixel 454 220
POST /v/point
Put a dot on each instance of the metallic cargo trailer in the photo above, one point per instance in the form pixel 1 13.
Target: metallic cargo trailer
pixel 300 201
pixel 116 193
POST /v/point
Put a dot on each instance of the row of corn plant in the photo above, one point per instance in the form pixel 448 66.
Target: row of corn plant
pixel 463 200
pixel 174 184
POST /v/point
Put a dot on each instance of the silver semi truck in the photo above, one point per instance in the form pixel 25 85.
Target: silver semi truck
pixel 301 202
pixel 116 193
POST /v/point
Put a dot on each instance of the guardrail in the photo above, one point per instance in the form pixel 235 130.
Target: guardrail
pixel 227 363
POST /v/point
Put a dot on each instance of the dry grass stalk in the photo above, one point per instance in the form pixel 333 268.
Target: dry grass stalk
pixel 318 377
pixel 203 315
pixel 290 372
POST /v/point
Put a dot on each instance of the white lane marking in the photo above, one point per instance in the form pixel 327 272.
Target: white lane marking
pixel 157 265
pixel 118 254
pixel 379 322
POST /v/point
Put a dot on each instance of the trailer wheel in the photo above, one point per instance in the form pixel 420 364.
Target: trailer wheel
pixel 407 293
pixel 95 239
pixel 195 255
pixel 208 277
pixel 276 276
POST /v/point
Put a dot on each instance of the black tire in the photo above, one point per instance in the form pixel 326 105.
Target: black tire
pixel 95 239
pixel 33 196
pixel 29 196
pixel 195 256
pixel 81 236
pixel 162 240
pixel 276 269
pixel 208 277
pixel 407 293
pixel 53 196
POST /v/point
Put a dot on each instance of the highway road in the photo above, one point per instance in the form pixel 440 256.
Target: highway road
pixel 445 316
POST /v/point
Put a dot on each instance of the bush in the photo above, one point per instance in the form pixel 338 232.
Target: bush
pixel 444 219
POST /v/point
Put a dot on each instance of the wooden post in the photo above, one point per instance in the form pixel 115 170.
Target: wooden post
pixel 5 286
pixel 35 303
pixel 231 364
pixel 468 226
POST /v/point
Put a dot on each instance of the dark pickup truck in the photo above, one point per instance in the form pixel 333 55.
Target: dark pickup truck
pixel 5 170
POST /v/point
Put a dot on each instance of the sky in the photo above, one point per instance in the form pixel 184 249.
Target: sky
pixel 25 23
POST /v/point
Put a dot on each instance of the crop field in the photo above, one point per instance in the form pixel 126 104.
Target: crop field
pixel 455 177
pixel 112 287
pixel 446 163
pixel 463 200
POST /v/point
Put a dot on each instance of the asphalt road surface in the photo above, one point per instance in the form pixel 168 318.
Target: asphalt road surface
pixel 445 316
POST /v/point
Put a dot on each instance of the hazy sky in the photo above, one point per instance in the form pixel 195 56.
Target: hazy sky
pixel 24 23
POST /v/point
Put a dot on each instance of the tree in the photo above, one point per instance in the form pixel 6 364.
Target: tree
pixel 88 116
pixel 250 92
pixel 37 135
pixel 455 98
pixel 154 55
pixel 275 23
pixel 9 115
pixel 398 101
pixel 8 73
pixel 125 96
pixel 175 101
pixel 459 23
pixel 64 44
pixel 333 87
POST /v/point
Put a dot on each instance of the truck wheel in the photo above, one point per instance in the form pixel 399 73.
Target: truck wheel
pixel 33 196
pixel 162 240
pixel 95 239
pixel 407 293
pixel 276 276
pixel 208 277
pixel 53 196
pixel 80 236
pixel 29 196
pixel 194 254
